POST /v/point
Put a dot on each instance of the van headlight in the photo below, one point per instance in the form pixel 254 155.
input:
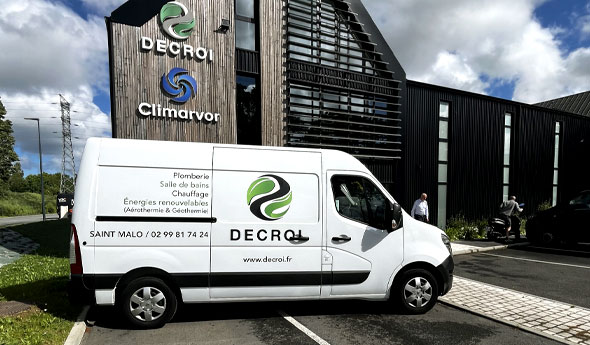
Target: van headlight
pixel 447 242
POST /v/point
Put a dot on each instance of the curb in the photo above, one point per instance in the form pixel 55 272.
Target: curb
pixel 509 323
pixel 79 328
pixel 487 249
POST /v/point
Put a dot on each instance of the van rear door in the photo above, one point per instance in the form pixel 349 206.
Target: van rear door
pixel 153 210
pixel 267 240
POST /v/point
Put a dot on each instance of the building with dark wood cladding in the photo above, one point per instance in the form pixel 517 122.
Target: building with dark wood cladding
pixel 319 74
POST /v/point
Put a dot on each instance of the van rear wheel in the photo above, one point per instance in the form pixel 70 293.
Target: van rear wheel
pixel 417 292
pixel 148 303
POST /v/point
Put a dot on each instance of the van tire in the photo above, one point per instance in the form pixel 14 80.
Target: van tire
pixel 416 292
pixel 142 311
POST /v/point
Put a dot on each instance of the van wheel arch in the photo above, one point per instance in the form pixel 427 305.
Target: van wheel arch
pixel 419 265
pixel 147 272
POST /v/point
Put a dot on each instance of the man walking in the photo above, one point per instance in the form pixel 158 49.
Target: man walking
pixel 507 210
pixel 420 209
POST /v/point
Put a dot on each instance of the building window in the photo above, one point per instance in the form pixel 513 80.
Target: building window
pixel 248 110
pixel 443 160
pixel 556 163
pixel 246 24
pixel 507 142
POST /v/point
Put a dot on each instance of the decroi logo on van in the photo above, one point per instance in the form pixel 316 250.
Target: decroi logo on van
pixel 176 20
pixel 269 197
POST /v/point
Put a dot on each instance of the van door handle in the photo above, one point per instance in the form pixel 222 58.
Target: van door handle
pixel 298 238
pixel 341 239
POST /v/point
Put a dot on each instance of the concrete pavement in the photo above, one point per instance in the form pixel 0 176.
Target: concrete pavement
pixel 469 247
pixel 556 320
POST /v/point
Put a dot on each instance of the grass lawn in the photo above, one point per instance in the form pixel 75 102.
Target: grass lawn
pixel 39 279
pixel 22 204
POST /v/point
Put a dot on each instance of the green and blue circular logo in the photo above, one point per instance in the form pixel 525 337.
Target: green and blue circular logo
pixel 269 197
pixel 176 20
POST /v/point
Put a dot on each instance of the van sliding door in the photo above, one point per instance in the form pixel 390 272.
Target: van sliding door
pixel 266 242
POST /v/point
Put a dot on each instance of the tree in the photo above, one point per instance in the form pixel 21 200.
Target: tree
pixel 16 182
pixel 7 154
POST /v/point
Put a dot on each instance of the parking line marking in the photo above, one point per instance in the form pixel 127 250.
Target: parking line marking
pixel 303 329
pixel 539 261
pixel 560 250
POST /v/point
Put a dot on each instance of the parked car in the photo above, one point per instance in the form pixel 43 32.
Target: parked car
pixel 567 222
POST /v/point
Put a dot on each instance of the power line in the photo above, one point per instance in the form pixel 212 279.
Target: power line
pixel 56 117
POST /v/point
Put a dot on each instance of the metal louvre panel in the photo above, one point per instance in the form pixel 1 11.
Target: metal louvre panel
pixel 340 92
pixel 247 61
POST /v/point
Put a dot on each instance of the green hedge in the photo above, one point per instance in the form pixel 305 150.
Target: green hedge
pixel 458 228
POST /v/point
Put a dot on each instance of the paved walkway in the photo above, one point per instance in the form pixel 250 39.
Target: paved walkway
pixel 468 247
pixel 13 245
pixel 559 321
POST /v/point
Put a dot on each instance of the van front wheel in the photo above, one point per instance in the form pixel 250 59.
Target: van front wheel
pixel 417 292
pixel 148 303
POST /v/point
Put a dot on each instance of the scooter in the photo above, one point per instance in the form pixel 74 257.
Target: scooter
pixel 497 227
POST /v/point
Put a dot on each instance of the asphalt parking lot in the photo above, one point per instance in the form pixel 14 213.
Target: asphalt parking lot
pixel 333 322
pixel 554 274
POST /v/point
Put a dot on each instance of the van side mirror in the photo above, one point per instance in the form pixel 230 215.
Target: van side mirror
pixel 397 221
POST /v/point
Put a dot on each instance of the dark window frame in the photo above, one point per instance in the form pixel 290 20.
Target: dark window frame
pixel 256 78
pixel 254 20
pixel 387 207
pixel 510 126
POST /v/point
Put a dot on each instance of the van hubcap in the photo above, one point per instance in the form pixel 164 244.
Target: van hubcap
pixel 417 292
pixel 147 304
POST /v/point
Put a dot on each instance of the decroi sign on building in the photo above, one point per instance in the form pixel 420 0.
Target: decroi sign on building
pixel 177 22
pixel 181 86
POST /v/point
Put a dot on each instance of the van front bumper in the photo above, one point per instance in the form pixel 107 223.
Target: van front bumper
pixel 78 291
pixel 446 272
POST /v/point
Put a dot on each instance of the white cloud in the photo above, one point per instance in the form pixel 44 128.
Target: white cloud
pixel 451 68
pixel 47 44
pixel 86 121
pixel 456 43
pixel 48 49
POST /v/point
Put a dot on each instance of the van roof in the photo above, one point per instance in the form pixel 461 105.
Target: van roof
pixel 332 159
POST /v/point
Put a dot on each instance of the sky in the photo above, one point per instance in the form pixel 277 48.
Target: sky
pixel 524 50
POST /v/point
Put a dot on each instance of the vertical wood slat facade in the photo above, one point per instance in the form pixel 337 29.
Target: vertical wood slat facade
pixel 476 146
pixel 136 78
pixel 272 80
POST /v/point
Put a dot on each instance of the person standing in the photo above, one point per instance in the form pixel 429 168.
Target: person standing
pixel 507 210
pixel 420 209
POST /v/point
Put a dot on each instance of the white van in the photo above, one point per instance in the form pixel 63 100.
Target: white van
pixel 157 223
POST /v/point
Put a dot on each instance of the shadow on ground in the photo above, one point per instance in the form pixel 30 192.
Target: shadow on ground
pixel 110 316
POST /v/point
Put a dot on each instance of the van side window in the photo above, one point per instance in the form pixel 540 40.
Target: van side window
pixel 357 198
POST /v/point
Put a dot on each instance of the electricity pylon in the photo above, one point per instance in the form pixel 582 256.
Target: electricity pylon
pixel 68 167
